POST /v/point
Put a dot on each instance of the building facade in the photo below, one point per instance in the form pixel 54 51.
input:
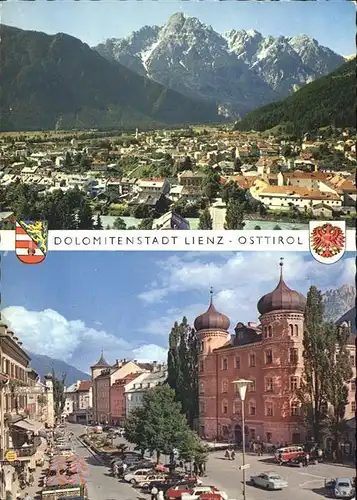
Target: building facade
pixel 25 409
pixel 269 355
pixel 134 393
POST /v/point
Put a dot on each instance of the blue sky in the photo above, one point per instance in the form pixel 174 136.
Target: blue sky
pixel 331 23
pixel 75 303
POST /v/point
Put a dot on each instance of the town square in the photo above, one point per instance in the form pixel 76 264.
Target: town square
pixel 204 392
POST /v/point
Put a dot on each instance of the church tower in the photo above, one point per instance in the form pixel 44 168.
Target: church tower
pixel 282 319
pixel 96 370
pixel 212 333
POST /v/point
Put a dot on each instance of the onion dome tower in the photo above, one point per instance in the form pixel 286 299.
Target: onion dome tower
pixel 282 303
pixel 212 328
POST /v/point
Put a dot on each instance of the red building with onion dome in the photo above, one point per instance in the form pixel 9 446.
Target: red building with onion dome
pixel 268 354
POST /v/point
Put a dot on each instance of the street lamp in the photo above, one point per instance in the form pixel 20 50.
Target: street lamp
pixel 242 386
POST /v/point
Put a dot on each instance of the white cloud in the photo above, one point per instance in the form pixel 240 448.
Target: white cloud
pixel 238 280
pixel 150 352
pixel 48 332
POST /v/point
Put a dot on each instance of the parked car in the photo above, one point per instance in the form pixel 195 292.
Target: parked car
pixel 343 488
pixel 195 492
pixel 143 464
pixel 176 491
pixel 269 480
pixel 136 476
pixel 288 453
pixel 148 480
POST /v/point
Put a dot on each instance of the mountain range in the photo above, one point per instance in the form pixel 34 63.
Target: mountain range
pixel 328 101
pixel 44 364
pixel 239 70
pixel 50 82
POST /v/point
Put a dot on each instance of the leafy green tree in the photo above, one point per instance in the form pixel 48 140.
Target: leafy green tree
pixel 85 215
pixel 67 160
pixel 231 191
pixel 183 368
pixel 146 224
pixel 158 425
pixel 141 212
pixel 211 185
pixel 98 223
pixel 234 216
pixel 119 223
pixel 59 395
pixel 257 228
pixel 277 227
pixel 313 388
pixel 205 221
pixel 339 375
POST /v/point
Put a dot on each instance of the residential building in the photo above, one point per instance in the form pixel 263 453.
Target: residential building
pixel 103 378
pixel 118 399
pixel 150 186
pixel 270 355
pixel 26 406
pixel 190 179
pixel 134 394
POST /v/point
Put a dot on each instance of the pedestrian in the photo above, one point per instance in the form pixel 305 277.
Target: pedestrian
pixel 227 455
pixel 27 497
pixel 160 495
pixel 307 458
pixel 201 469
pixel 154 492
pixel 195 469
pixel 233 455
pixel 124 467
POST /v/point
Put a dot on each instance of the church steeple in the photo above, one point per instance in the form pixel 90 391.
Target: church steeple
pixel 102 362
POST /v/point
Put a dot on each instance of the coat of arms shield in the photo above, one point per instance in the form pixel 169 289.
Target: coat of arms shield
pixel 31 241
pixel 327 240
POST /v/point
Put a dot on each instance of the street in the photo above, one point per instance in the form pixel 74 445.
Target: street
pixel 305 483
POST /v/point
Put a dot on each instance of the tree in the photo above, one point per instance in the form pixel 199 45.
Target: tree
pixel 85 215
pixel 234 216
pixel 98 223
pixel 146 224
pixel 119 223
pixel 277 227
pixel 257 228
pixel 313 388
pixel 67 160
pixel 339 375
pixel 59 396
pixel 231 191
pixel 158 425
pixel 211 185
pixel 205 221
pixel 183 368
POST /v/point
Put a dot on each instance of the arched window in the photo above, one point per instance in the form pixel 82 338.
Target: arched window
pixel 202 388
pixel 225 407
pixel 237 407
pixel 224 364
pixel 270 331
pixel 265 332
pixel 252 408
pixel 224 387
pixel 291 329
pixel 296 330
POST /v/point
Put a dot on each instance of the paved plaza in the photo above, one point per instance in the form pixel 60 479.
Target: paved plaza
pixel 305 483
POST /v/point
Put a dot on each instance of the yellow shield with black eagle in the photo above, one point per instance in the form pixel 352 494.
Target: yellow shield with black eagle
pixel 31 241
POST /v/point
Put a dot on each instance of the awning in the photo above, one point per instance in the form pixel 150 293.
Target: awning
pixel 24 424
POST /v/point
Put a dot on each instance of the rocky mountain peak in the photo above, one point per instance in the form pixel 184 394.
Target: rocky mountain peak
pixel 239 71
pixel 339 301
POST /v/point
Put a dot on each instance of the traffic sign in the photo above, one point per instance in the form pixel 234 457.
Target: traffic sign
pixel 244 467
pixel 10 456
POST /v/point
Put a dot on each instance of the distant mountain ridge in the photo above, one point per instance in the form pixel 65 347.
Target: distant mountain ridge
pixel 58 81
pixel 44 364
pixel 239 70
pixel 329 100
pixel 339 302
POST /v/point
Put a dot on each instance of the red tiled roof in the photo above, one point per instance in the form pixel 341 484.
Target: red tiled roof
pixel 84 385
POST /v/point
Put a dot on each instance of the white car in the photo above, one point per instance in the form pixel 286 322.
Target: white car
pixel 152 478
pixel 269 480
pixel 198 490
pixel 136 476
